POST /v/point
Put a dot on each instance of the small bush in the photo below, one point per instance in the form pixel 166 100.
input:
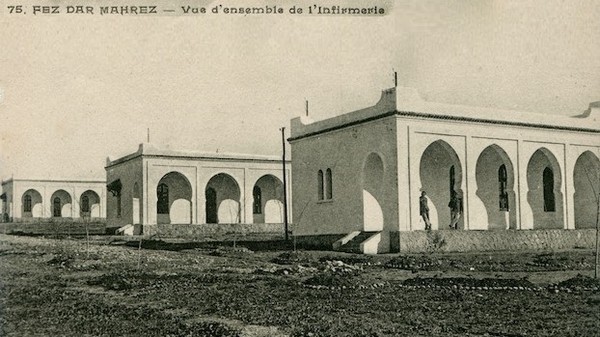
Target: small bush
pixel 435 241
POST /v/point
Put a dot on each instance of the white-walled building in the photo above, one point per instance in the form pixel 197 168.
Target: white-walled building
pixel 28 200
pixel 363 172
pixel 158 186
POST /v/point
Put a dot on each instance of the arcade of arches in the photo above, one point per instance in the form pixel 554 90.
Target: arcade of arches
pixel 31 200
pixel 496 201
pixel 165 186
pixel 223 200
pixel 407 164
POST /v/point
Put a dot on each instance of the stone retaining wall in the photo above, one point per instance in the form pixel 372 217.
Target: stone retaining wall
pixel 465 241
pixel 54 228
pixel 208 230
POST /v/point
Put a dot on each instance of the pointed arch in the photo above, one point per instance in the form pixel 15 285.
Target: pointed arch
pixel 544 195
pixel 62 203
pixel 174 199
pixel 372 192
pixel 32 204
pixel 224 190
pixel 495 178
pixel 89 204
pixel 441 174
pixel 268 200
pixel 586 180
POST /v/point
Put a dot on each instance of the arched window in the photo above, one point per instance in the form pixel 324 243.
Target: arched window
pixel 548 182
pixel 257 205
pixel 452 178
pixel 27 203
pixel 328 184
pixel 119 210
pixel 503 193
pixel 85 204
pixel 57 208
pixel 320 185
pixel 162 205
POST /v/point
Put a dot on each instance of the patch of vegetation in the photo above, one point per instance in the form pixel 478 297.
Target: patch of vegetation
pixel 580 282
pixel 488 283
pixel 187 293
pixel 353 259
pixel 294 257
pixel 229 251
pixel 415 262
pixel 435 241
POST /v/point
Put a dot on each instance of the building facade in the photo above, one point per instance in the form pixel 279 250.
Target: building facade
pixel 157 186
pixel 364 171
pixel 28 200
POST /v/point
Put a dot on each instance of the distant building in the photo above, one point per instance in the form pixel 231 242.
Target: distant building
pixel 28 200
pixel 361 174
pixel 157 186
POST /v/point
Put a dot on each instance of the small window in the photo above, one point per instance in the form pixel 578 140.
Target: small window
pixel 119 204
pixel 503 193
pixel 452 178
pixel 320 185
pixel 27 203
pixel 257 205
pixel 328 184
pixel 57 213
pixel 548 182
pixel 162 192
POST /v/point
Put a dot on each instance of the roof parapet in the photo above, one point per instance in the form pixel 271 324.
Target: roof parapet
pixel 408 100
pixel 304 125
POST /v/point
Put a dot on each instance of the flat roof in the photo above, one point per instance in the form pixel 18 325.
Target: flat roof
pixel 150 150
pixel 9 180
pixel 406 102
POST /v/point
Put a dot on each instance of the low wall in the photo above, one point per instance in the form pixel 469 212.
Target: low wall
pixel 465 241
pixel 212 230
pixel 54 228
pixel 322 242
pixel 55 220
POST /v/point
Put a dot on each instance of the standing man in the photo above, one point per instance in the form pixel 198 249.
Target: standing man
pixel 424 210
pixel 456 208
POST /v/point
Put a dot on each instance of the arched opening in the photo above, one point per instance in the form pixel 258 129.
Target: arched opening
pixel 372 193
pixel 61 204
pixel 440 172
pixel 495 179
pixel 320 185
pixel 225 199
pixel 32 204
pixel 544 195
pixel 136 204
pixel 89 205
pixel 586 178
pixel 174 199
pixel 268 200
pixel 328 184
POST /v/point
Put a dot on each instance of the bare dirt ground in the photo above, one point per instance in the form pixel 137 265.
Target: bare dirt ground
pixel 69 287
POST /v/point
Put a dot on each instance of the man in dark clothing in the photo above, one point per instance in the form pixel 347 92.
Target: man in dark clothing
pixel 456 208
pixel 424 210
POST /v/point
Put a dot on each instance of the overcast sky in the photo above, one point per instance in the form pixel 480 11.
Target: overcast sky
pixel 76 90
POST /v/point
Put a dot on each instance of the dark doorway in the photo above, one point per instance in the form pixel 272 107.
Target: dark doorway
pixel 211 205
pixel 57 208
